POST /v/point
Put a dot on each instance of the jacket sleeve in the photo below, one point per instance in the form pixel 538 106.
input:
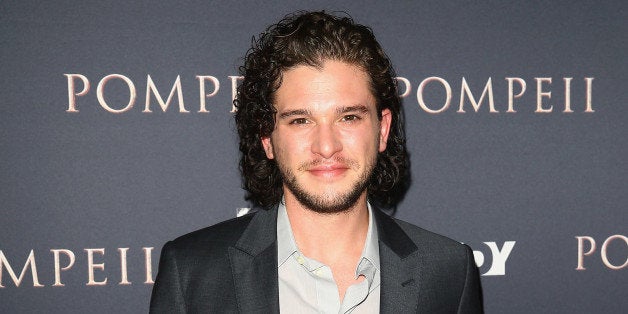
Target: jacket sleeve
pixel 167 296
pixel 471 298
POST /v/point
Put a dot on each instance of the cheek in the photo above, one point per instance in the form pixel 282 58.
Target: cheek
pixel 293 146
pixel 360 144
pixel 288 147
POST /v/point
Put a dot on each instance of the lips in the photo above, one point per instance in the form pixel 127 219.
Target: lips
pixel 328 171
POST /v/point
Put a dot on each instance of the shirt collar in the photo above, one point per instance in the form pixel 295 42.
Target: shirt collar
pixel 371 246
pixel 286 245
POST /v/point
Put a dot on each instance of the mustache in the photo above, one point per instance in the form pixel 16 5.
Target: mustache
pixel 349 163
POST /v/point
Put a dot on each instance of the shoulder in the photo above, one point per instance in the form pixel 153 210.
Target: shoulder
pixel 195 269
pixel 210 239
pixel 447 267
pixel 429 238
pixel 406 238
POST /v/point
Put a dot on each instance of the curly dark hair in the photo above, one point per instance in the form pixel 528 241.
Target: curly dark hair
pixel 310 38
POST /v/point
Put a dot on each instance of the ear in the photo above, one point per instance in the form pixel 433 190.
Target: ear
pixel 384 129
pixel 268 147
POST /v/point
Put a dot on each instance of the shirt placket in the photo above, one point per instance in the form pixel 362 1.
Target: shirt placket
pixel 327 297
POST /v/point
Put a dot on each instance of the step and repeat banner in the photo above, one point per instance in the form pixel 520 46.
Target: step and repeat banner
pixel 117 135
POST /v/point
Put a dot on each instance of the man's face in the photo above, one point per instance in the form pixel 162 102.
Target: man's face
pixel 327 135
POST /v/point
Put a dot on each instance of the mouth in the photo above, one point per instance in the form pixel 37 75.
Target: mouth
pixel 328 171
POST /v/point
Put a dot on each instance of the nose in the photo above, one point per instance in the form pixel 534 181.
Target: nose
pixel 326 141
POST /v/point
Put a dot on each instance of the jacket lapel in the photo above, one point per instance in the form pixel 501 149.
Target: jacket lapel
pixel 399 292
pixel 254 265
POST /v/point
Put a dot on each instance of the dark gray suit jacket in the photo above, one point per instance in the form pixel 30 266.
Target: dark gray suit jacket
pixel 231 267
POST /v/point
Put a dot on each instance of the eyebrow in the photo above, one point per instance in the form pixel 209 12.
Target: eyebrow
pixel 340 110
pixel 296 112
pixel 358 108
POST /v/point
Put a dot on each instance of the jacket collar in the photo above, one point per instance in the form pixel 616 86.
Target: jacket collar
pixel 254 265
pixel 399 289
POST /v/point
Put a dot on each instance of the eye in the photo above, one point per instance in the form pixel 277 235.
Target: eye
pixel 299 121
pixel 351 118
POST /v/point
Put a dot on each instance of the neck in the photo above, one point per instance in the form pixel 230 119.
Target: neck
pixel 328 237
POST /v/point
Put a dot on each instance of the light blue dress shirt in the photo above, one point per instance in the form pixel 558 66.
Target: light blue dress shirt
pixel 307 285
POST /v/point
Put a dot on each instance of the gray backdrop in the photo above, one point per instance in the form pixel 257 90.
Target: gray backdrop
pixel 529 191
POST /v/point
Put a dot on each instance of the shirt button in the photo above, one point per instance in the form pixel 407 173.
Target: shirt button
pixel 300 260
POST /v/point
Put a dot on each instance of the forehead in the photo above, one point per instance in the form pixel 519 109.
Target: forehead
pixel 333 84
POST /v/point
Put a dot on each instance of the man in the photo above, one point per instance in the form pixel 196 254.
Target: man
pixel 322 148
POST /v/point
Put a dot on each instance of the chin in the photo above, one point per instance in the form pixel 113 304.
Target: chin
pixel 328 203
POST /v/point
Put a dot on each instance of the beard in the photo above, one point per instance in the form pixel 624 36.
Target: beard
pixel 329 202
